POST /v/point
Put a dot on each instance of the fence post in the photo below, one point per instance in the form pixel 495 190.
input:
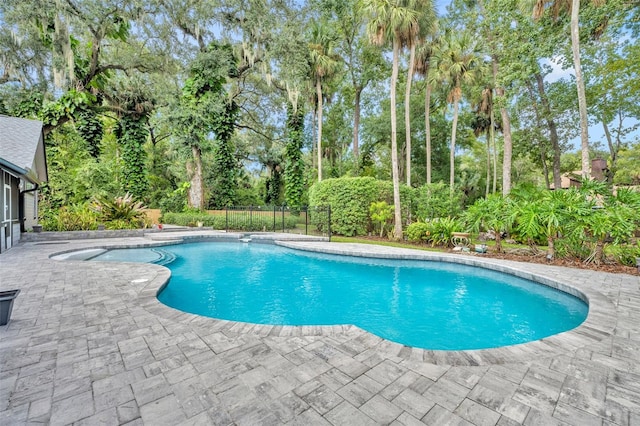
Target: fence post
pixel 283 218
pixel 306 220
pixel 274 218
pixel 226 218
pixel 329 218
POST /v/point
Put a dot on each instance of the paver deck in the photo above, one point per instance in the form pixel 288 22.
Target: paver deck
pixel 88 343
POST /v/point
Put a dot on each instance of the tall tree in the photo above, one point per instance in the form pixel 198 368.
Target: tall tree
pixel 414 35
pixel 458 61
pixel 573 8
pixel 388 21
pixel 363 62
pixel 324 63
pixel 203 111
pixel 490 30
pixel 424 58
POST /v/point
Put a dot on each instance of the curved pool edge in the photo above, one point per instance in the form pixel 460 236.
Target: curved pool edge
pixel 599 324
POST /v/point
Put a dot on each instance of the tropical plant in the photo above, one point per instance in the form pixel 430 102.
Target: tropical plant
pixel 442 230
pixel 613 219
pixel 549 216
pixel 380 213
pixel 493 213
pixel 122 208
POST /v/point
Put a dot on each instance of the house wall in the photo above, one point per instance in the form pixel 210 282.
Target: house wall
pixel 30 210
pixel 9 219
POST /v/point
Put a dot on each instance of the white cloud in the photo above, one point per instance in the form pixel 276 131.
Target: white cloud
pixel 558 71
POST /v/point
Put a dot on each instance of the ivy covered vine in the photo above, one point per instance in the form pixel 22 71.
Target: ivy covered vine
pixel 225 166
pixel 294 165
pixel 132 133
pixel 90 128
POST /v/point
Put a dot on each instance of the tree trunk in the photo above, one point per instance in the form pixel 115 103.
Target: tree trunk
pixel 397 234
pixel 452 156
pixel 488 183
pixel 582 97
pixel 543 151
pixel 356 124
pixel 614 148
pixel 553 133
pixel 492 137
pixel 407 111
pixel 506 121
pixel 319 115
pixel 196 189
pixel 498 240
pixel 551 252
pixel 314 138
pixel 598 257
pixel 427 128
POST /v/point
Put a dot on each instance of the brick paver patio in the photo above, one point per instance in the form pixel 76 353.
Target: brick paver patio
pixel 88 343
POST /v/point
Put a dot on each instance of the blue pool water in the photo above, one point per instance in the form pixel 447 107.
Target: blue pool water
pixel 430 305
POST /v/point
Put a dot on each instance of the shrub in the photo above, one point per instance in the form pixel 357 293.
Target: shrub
pixel 77 217
pixel 624 254
pixel 442 230
pixel 418 232
pixel 244 222
pixel 435 200
pixel 407 195
pixel 348 198
pixel 127 212
pixel 381 213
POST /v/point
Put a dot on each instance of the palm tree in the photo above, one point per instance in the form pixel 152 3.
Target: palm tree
pixel 573 7
pixel 458 61
pixel 414 36
pixel 484 123
pixel 389 20
pixel 324 63
pixel 424 58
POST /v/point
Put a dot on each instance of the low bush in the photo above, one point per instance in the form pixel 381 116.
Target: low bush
pixel 77 217
pixel 418 232
pixel 437 232
pixel 255 222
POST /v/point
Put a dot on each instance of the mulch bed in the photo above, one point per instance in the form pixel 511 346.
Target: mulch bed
pixel 541 258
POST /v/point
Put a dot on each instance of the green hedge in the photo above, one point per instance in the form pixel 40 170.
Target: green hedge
pixel 350 198
pixel 255 222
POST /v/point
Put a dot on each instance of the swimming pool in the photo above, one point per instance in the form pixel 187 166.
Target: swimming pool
pixel 429 305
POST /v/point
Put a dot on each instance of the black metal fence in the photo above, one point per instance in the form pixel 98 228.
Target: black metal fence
pixel 303 220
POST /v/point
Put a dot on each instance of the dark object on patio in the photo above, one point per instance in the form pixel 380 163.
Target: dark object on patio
pixel 6 305
pixel 37 228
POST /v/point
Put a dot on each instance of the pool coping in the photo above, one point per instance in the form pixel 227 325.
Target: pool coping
pixel 599 324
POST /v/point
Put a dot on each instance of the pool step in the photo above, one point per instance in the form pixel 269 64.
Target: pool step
pixel 165 258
